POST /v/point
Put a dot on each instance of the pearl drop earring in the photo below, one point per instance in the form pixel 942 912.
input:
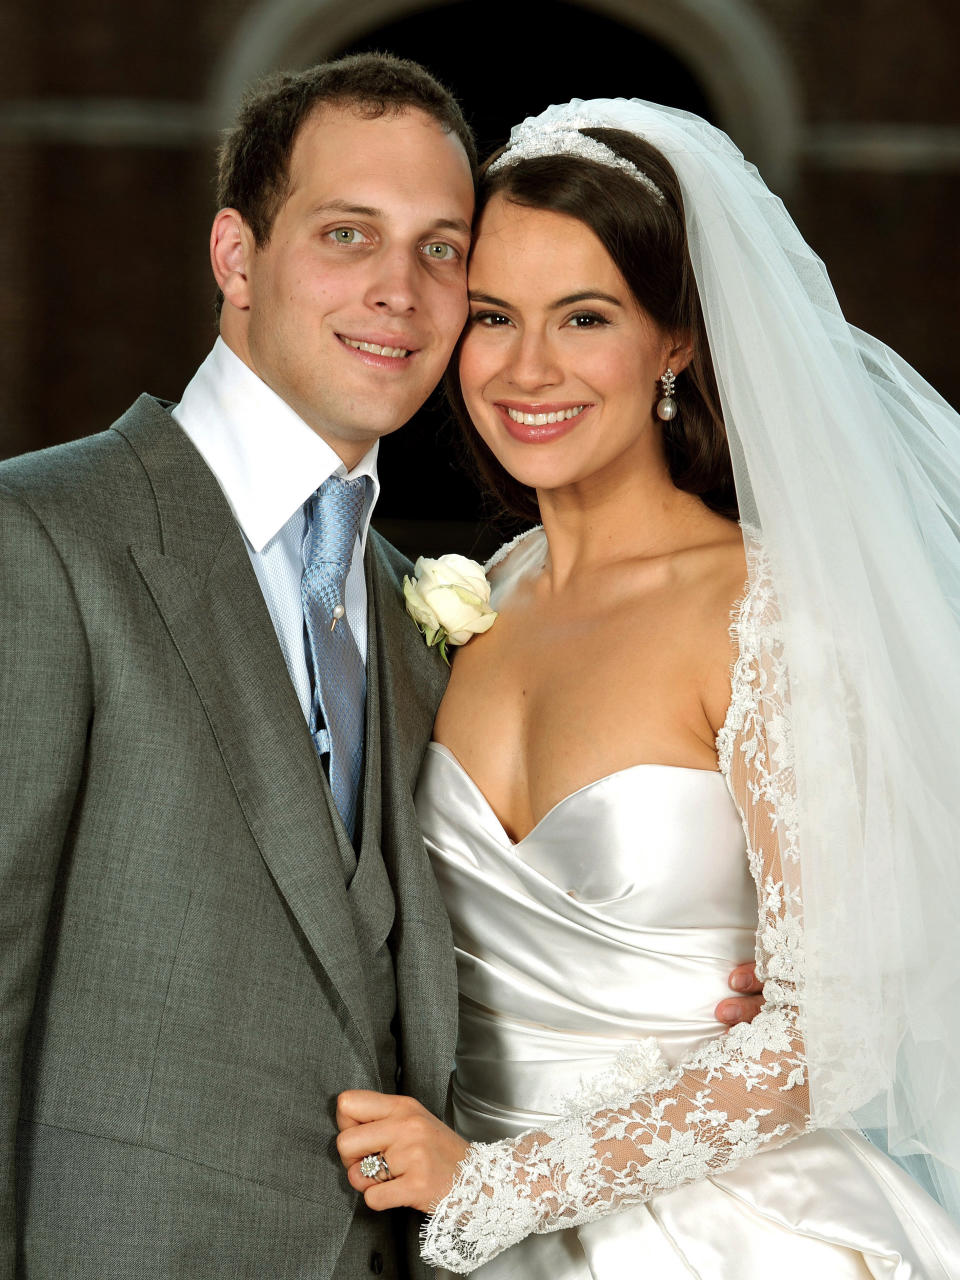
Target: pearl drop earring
pixel 667 406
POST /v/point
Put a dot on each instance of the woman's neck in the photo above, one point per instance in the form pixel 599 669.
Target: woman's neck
pixel 623 514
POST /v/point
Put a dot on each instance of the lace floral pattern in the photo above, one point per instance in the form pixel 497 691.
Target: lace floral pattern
pixel 737 1094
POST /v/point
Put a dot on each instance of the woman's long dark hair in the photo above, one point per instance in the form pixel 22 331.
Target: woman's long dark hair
pixel 648 243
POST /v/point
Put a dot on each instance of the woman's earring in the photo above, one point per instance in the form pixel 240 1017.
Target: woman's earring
pixel 667 407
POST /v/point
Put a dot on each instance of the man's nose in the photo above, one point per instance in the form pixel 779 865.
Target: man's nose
pixel 393 288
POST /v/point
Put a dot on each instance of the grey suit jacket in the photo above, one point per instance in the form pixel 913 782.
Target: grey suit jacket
pixel 182 968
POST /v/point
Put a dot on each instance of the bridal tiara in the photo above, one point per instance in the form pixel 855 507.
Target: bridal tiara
pixel 534 138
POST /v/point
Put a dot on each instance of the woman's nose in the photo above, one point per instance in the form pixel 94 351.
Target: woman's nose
pixel 534 364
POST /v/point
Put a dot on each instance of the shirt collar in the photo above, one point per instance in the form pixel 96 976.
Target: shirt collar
pixel 266 459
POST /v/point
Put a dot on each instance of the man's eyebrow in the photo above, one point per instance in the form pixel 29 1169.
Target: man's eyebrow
pixel 452 224
pixel 587 295
pixel 367 211
pixel 344 206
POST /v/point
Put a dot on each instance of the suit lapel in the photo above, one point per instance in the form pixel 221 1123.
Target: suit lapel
pixel 369 894
pixel 204 586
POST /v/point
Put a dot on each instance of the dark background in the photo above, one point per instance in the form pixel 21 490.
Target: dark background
pixel 109 116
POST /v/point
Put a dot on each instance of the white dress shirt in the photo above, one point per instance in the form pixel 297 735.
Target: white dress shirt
pixel 268 463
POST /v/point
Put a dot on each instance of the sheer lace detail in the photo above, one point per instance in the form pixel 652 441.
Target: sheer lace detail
pixel 737 1095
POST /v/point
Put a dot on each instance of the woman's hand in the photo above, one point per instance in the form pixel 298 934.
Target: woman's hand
pixel 422 1154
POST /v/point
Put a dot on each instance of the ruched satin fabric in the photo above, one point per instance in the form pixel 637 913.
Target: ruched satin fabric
pixel 611 928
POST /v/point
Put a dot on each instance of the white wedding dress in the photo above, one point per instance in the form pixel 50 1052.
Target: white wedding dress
pixel 591 955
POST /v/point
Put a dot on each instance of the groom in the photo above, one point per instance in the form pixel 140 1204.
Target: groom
pixel 216 910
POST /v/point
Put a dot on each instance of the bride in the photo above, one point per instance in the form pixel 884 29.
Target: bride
pixel 719 702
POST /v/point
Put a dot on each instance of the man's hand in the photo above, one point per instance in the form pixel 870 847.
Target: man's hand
pixel 743 980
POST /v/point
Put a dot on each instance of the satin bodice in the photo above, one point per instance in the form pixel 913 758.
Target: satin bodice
pixel 586 927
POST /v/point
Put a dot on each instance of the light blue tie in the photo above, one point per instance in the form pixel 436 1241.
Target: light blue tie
pixel 338 675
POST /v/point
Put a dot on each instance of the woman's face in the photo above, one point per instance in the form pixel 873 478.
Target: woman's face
pixel 559 365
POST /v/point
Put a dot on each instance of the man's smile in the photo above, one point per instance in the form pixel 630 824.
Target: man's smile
pixel 384 349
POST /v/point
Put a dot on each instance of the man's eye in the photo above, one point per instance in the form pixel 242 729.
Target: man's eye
pixel 439 251
pixel 347 235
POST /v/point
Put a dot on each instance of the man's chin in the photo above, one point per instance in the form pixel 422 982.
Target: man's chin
pixel 350 441
pixel 381 420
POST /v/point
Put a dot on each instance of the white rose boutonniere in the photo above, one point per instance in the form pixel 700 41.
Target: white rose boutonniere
pixel 449 600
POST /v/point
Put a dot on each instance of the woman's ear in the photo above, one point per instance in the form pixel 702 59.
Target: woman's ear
pixel 680 353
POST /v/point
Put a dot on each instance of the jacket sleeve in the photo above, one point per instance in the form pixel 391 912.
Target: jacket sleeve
pixel 45 696
pixel 739 1094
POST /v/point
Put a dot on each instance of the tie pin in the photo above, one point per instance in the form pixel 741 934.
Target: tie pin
pixel 338 612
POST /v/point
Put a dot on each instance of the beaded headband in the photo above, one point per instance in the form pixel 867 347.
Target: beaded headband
pixel 533 138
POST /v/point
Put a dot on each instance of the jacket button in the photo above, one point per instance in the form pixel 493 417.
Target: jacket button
pixel 376 1262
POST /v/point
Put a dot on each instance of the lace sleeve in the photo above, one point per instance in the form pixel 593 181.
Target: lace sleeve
pixel 738 1094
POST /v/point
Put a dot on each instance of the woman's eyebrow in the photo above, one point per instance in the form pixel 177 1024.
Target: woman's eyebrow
pixel 587 295
pixel 476 296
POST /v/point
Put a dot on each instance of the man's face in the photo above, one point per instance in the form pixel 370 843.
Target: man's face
pixel 354 306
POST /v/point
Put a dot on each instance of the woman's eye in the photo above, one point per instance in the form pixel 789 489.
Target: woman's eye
pixel 439 251
pixel 492 319
pixel 587 320
pixel 347 235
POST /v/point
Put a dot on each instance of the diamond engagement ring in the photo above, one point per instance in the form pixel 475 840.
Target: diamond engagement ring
pixel 376 1167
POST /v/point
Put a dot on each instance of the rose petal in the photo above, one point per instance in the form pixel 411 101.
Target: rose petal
pixel 418 608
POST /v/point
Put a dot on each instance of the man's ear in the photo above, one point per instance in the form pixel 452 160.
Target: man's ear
pixel 231 249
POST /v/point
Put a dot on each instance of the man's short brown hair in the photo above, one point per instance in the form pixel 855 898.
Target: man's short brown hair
pixel 253 173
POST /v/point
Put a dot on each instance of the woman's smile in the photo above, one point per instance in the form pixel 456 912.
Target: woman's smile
pixel 540 423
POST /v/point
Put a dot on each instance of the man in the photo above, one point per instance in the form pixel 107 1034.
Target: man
pixel 204 939
pixel 215 907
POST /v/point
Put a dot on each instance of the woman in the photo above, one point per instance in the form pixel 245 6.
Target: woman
pixel 611 812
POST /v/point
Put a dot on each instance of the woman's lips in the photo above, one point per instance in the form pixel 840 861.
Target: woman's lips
pixel 540 423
